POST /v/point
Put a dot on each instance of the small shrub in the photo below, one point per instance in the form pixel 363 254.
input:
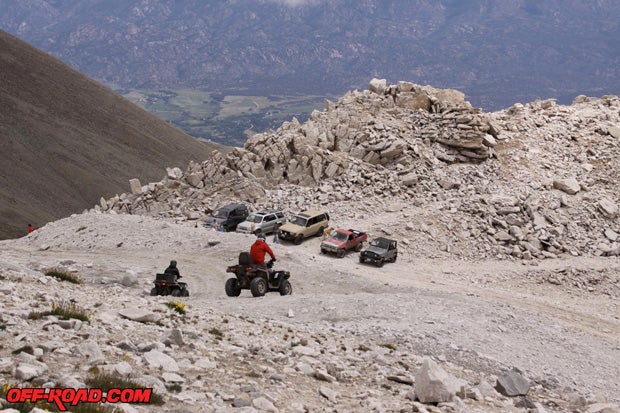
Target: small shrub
pixel 362 347
pixel 80 229
pixel 174 387
pixel 63 275
pixel 216 332
pixel 106 382
pixel 177 306
pixel 64 310
pixel 120 244
pixel 389 345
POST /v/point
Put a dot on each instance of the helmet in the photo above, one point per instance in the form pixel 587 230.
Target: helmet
pixel 173 264
pixel 261 236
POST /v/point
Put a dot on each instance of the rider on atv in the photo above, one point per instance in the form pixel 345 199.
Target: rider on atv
pixel 258 251
pixel 173 270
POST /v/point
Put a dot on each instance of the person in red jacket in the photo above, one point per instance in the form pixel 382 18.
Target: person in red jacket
pixel 259 249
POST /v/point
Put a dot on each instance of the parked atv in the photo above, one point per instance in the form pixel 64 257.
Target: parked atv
pixel 255 278
pixel 167 284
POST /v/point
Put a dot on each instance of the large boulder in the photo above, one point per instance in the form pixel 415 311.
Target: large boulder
pixel 434 385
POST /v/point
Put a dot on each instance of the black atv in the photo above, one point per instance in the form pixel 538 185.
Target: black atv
pixel 255 278
pixel 167 284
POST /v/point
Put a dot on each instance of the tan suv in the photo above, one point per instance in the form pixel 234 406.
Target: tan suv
pixel 304 225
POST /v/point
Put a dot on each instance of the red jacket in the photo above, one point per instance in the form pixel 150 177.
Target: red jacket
pixel 258 251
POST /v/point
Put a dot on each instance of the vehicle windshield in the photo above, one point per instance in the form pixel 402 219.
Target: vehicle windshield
pixel 299 221
pixel 255 218
pixel 221 213
pixel 339 236
pixel 380 243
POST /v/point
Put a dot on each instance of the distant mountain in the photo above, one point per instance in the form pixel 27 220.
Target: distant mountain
pixel 67 140
pixel 497 52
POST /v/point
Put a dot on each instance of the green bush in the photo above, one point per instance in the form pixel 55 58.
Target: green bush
pixel 64 310
pixel 106 382
pixel 63 275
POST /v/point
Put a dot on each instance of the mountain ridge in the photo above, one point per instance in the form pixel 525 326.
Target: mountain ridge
pixel 496 53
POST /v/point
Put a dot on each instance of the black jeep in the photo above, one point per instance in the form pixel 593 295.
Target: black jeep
pixel 379 251
pixel 227 217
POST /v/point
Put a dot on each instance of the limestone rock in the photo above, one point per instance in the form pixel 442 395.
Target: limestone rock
pixel 434 385
pixel 568 185
pixel 512 384
pixel 140 315
pixel 378 86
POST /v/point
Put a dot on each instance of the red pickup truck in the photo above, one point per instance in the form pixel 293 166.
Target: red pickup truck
pixel 340 241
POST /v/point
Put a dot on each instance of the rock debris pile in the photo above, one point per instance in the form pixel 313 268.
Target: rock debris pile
pixel 536 180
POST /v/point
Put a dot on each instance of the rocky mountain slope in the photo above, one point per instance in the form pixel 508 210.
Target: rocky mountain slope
pixel 420 335
pixel 532 181
pixel 498 53
pixel 504 297
pixel 66 140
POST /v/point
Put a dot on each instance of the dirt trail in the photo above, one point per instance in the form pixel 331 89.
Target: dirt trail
pixel 486 316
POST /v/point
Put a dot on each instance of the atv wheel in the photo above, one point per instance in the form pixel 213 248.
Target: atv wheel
pixel 340 253
pixel 185 293
pixel 232 287
pixel 380 263
pixel 320 231
pixel 359 247
pixel 153 291
pixel 176 292
pixel 298 239
pixel 258 286
pixel 362 260
pixel 285 288
pixel 323 251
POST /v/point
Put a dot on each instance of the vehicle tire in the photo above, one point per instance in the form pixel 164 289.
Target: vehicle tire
pixel 285 288
pixel 320 231
pixel 359 247
pixel 323 251
pixel 153 291
pixel 176 292
pixel 232 287
pixel 340 253
pixel 380 263
pixel 298 239
pixel 394 259
pixel 362 260
pixel 185 293
pixel 258 287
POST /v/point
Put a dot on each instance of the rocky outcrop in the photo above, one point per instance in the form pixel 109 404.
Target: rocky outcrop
pixel 533 181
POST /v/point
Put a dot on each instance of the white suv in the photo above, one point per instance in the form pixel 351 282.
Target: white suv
pixel 262 221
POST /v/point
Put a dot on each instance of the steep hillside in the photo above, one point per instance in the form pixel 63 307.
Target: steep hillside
pixel 66 140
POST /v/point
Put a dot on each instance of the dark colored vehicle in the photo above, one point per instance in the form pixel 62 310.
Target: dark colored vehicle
pixel 342 240
pixel 380 251
pixel 256 278
pixel 168 284
pixel 227 217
